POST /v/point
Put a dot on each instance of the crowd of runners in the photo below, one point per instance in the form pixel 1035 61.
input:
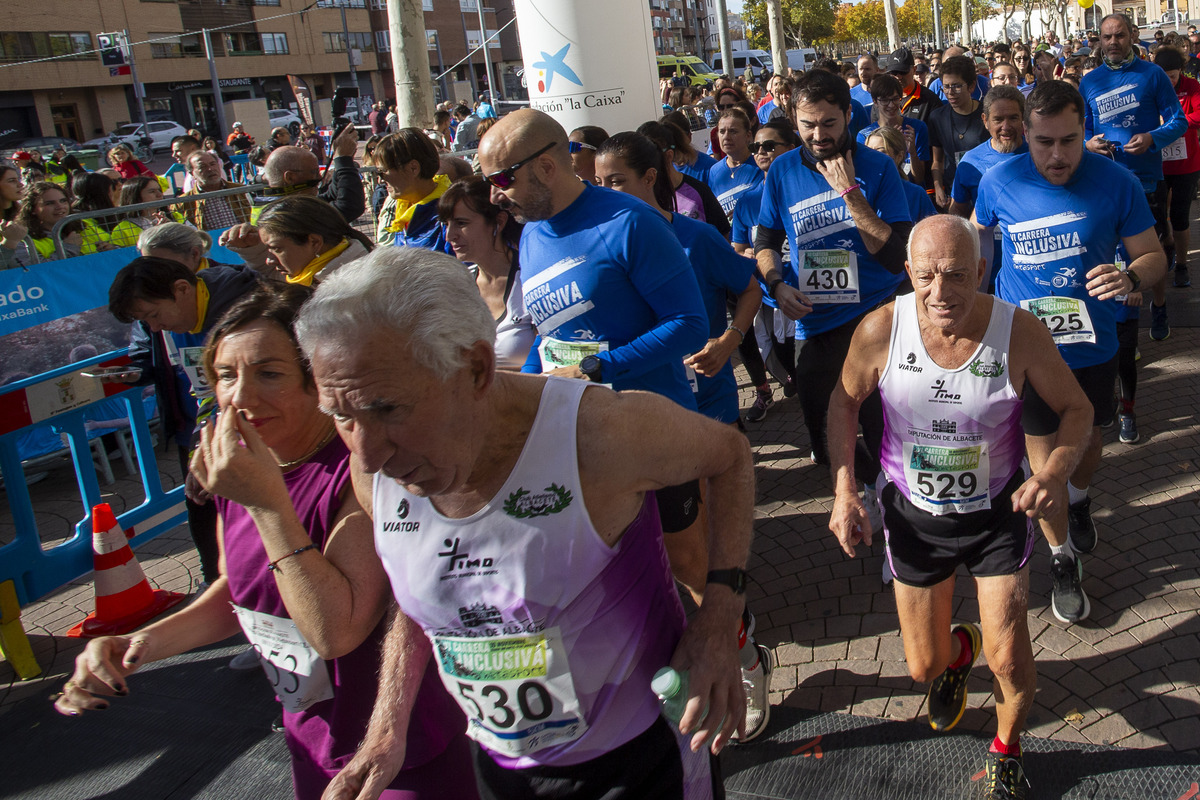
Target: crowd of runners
pixel 461 578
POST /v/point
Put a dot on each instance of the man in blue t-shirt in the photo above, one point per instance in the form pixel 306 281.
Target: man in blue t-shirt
pixel 868 68
pixel 1060 240
pixel 843 212
pixel 1132 113
pixel 1004 116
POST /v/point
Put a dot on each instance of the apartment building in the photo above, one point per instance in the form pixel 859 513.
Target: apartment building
pixel 255 45
pixel 684 26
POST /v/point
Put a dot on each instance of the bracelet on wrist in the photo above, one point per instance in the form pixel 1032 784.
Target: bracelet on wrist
pixel 274 565
pixel 849 189
pixel 739 331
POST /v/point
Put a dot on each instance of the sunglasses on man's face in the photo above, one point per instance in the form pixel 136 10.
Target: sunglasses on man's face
pixel 766 147
pixel 502 179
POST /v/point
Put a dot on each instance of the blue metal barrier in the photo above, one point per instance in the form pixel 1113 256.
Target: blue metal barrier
pixel 37 571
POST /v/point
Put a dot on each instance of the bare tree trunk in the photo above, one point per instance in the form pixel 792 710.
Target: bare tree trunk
pixel 778 44
pixel 965 35
pixel 410 64
pixel 893 30
pixel 723 38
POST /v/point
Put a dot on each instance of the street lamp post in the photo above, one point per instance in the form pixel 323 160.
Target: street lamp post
pixel 350 58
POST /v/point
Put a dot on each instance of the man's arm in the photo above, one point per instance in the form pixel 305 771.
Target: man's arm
pixel 987 239
pixel 1035 356
pixel 636 442
pixel 938 170
pixel 345 192
pixel 768 245
pixel 860 376
pixel 1174 121
pixel 1146 258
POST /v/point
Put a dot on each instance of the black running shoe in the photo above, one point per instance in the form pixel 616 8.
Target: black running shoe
pixel 1005 778
pixel 1080 528
pixel 1067 599
pixel 948 692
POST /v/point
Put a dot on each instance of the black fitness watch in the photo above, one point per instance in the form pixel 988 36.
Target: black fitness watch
pixel 735 578
pixel 1134 279
pixel 590 366
pixel 772 286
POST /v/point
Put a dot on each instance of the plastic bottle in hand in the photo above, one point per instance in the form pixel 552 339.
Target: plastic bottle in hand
pixel 671 686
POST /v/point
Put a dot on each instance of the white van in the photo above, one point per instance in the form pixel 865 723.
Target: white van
pixel 802 59
pixel 757 60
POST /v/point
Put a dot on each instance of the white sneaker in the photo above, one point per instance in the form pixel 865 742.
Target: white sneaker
pixel 871 502
pixel 756 683
pixel 247 659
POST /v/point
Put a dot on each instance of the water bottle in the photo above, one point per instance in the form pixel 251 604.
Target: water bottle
pixel 671 686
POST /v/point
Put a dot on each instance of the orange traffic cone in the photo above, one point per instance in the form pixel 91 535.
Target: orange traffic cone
pixel 124 599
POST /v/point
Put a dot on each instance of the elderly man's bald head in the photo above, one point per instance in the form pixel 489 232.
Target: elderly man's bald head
pixel 288 166
pixel 942 236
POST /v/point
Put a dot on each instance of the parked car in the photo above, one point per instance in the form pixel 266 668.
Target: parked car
pixel 160 135
pixel 757 60
pixel 285 118
pixel 43 144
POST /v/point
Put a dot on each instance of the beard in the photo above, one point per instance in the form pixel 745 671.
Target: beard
pixel 538 205
pixel 838 150
pixel 1006 145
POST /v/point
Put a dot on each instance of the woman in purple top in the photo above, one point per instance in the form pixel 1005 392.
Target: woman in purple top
pixel 299 573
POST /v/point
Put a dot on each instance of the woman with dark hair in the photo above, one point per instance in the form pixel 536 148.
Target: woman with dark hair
pixel 693 198
pixel 95 191
pixel 736 173
pixel 726 99
pixel 302 238
pixel 298 568
pixel 43 204
pixel 12 233
pixel 141 189
pixel 485 236
pixel 775 334
pixel 688 159
pixel 408 162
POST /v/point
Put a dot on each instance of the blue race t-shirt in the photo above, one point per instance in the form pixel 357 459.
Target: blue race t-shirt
pixel 425 230
pixel 699 170
pixel 919 204
pixel 608 269
pixel 745 228
pixel 798 200
pixel 862 94
pixel 1131 99
pixel 730 184
pixel 971 170
pixel 859 118
pixel 719 271
pixel 1053 236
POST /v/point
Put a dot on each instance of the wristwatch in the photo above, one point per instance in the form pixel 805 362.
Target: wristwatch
pixel 1135 280
pixel 735 578
pixel 590 366
pixel 771 287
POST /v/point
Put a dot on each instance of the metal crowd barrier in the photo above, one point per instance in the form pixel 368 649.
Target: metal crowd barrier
pixel 60 399
pixel 164 203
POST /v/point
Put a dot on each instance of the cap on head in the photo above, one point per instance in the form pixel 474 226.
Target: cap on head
pixel 900 62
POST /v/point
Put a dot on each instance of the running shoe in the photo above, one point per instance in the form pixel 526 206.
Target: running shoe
pixel 1005 778
pixel 758 411
pixel 1129 431
pixel 756 683
pixel 789 386
pixel 1080 527
pixel 1067 599
pixel 1159 328
pixel 948 692
pixel 1182 279
pixel 871 503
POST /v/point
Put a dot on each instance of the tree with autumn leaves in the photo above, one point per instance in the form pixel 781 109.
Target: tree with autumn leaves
pixel 808 22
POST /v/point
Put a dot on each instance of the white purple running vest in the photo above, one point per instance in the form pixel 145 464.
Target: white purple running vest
pixel 952 437
pixel 546 636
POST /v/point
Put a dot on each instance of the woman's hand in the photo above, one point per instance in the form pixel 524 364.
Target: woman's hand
pixel 100 672
pixel 232 461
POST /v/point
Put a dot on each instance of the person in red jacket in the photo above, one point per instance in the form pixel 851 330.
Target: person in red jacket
pixel 1181 159
pixel 124 162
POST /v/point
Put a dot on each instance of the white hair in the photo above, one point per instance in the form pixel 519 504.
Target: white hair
pixel 174 236
pixel 966 229
pixel 426 297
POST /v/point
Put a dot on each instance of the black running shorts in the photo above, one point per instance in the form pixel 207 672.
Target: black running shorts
pixel 924 549
pixel 1038 419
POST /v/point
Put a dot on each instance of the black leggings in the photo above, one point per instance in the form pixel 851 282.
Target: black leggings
pixel 202 523
pixel 751 358
pixel 1127 339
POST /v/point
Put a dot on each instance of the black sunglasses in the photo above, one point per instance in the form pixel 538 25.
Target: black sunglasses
pixel 502 179
pixel 723 107
pixel 767 146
